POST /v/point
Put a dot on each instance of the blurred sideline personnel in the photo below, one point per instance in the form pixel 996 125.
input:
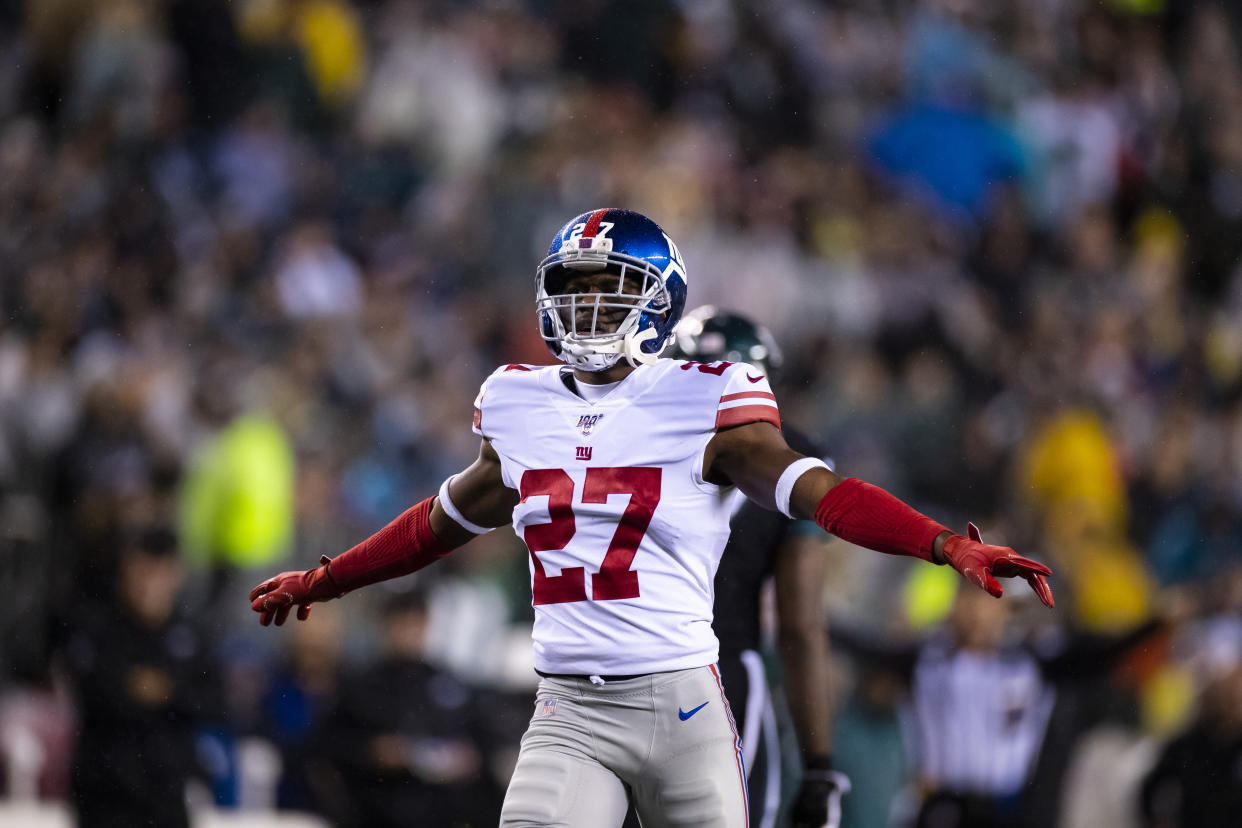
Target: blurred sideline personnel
pixel 980 701
pixel 403 736
pixel 765 546
pixel 144 681
pixel 617 471
pixel 1197 781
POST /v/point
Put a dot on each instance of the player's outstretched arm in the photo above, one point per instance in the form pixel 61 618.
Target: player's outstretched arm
pixel 755 456
pixel 418 536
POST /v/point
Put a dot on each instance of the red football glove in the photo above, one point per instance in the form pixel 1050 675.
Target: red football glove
pixel 273 598
pixel 978 562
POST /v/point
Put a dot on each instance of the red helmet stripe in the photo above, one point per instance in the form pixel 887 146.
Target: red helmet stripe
pixel 592 225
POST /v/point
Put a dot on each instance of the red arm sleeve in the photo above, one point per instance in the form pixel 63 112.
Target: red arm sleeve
pixel 860 513
pixel 403 546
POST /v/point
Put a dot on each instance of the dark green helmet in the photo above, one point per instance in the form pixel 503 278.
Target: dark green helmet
pixel 708 334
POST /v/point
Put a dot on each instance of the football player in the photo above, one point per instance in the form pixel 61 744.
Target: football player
pixel 768 547
pixel 617 471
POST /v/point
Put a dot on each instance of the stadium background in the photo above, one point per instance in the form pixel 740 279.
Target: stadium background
pixel 256 257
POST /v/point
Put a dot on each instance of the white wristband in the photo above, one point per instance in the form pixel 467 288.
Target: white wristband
pixel 452 511
pixel 785 486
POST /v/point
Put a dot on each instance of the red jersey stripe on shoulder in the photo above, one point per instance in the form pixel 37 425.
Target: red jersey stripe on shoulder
pixel 743 414
pixel 478 418
pixel 592 225
pixel 514 366
pixel 749 395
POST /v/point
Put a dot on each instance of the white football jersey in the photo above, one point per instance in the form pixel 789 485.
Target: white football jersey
pixel 623 531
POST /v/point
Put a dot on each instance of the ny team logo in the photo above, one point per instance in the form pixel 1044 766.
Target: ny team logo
pixel 674 261
pixel 584 453
pixel 587 422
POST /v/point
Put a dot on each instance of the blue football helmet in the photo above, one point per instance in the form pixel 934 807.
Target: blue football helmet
pixel 650 289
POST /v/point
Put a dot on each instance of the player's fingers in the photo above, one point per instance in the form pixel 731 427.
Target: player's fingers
pixel 1027 564
pixel 282 613
pixel 268 602
pixel 991 585
pixel 983 579
pixel 1040 584
pixel 304 612
pixel 265 617
pixel 263 588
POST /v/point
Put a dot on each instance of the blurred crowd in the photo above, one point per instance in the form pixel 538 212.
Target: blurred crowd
pixel 257 256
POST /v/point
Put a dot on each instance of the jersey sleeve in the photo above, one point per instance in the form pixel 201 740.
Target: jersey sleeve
pixel 477 425
pixel 487 394
pixel 746 398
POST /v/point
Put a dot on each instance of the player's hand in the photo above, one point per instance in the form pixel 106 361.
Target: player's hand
pixel 275 597
pixel 979 562
pixel 818 803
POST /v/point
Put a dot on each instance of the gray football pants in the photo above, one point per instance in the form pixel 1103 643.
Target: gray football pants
pixel 665 741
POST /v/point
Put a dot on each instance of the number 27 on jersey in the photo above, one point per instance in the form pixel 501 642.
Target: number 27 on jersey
pixel 615 579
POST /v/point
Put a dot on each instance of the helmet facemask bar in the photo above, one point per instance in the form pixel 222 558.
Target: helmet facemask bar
pixel 597 345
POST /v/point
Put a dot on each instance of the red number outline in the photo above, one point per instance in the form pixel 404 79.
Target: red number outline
pixel 714 368
pixel 615 580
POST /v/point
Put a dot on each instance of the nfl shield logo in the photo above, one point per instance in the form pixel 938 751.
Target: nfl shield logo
pixel 549 707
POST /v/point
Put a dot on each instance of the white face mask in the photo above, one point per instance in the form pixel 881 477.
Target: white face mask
pixel 585 326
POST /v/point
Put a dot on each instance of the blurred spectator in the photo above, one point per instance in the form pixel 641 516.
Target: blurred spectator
pixel 300 693
pixel 144 680
pixel 868 748
pixel 237 503
pixel 314 279
pixel 955 156
pixel 1072 480
pixel 405 739
pixel 1198 777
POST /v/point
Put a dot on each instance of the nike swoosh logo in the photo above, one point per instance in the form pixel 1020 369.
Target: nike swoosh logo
pixel 684 715
pixel 754 379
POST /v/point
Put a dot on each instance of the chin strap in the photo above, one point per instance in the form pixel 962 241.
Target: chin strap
pixel 588 358
pixel 632 348
pixel 601 357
